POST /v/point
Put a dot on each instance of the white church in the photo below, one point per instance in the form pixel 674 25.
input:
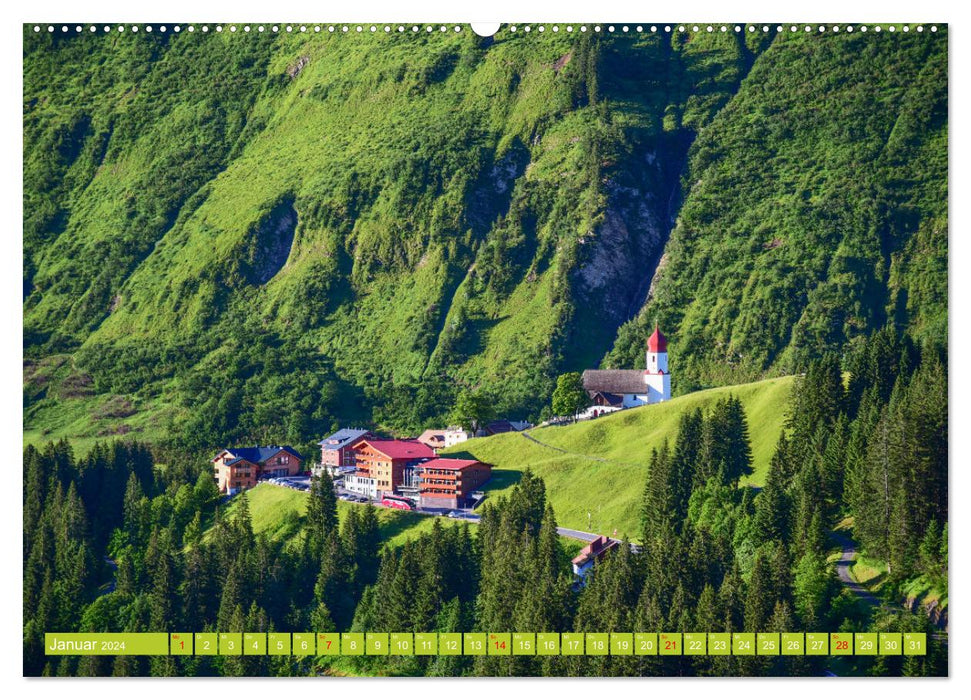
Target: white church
pixel 614 389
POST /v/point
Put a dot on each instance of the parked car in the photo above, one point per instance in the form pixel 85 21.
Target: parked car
pixel 455 514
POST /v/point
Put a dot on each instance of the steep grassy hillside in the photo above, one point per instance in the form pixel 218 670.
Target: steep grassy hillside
pixel 278 512
pixel 816 211
pixel 245 236
pixel 599 467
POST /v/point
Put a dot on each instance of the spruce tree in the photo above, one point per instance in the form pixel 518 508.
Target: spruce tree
pixel 232 599
pixel 772 506
pixel 759 600
pixel 321 511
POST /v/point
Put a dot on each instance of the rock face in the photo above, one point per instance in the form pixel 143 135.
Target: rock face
pixel 621 262
pixel 623 253
pixel 493 192
pixel 294 70
pixel 271 243
pixel 935 613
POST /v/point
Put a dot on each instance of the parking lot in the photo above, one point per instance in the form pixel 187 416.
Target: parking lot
pixel 300 483
pixel 345 495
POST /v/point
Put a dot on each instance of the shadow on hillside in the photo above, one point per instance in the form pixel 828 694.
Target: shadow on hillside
pixel 400 522
pixel 464 454
pixel 501 478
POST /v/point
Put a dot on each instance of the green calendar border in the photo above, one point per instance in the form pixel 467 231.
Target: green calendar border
pixel 487 644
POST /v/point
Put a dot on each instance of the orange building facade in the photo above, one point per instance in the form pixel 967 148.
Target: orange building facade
pixel 449 483
pixel 238 469
pixel 382 463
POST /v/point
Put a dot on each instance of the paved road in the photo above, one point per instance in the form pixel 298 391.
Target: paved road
pixel 843 569
pixel 576 534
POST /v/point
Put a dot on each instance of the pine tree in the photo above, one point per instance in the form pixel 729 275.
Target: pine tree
pixel 657 509
pixel 685 461
pixel 814 588
pixel 772 506
pixel 196 591
pixel 163 590
pixel 708 617
pixel 648 617
pixel 231 600
pixel 132 523
pixel 321 620
pixel 875 497
pixel 242 520
pixel 332 585
pixel 236 622
pixel 450 619
pixel 321 511
pixel 759 600
pixel 929 551
pixel 833 465
pixel 193 531
pixel 361 542
pixel 781 572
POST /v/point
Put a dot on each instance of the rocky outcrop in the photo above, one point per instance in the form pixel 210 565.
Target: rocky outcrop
pixel 622 254
pixel 933 609
pixel 492 194
pixel 294 69
pixel 272 239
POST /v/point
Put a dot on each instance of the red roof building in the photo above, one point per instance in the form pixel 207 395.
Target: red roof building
pixel 584 562
pixel 385 461
pixel 449 483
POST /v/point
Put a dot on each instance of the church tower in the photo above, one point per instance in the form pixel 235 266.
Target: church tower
pixel 656 375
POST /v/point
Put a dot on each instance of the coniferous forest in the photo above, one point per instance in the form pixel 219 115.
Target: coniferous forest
pixel 239 239
pixel 112 543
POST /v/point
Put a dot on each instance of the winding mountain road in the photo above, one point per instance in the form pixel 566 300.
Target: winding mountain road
pixel 843 569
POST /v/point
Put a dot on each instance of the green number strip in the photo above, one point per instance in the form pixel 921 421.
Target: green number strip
pixel 487 644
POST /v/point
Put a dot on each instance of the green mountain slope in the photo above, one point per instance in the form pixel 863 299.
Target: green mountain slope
pixel 278 512
pixel 816 212
pixel 600 467
pixel 606 457
pixel 262 236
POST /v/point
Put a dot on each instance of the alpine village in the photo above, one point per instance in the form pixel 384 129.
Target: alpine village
pixel 427 332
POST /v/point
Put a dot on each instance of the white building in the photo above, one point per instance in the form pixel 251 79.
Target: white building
pixel 586 560
pixel 440 439
pixel 364 485
pixel 626 388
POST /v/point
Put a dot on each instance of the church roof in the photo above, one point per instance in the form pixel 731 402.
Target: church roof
pixel 614 381
pixel 657 342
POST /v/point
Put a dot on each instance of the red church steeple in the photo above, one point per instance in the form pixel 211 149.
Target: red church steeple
pixel 657 342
